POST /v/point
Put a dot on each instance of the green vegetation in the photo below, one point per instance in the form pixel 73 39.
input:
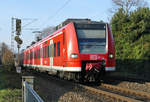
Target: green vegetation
pixel 132 41
pixel 10 86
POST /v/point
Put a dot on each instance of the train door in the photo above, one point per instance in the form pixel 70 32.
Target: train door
pixel 51 53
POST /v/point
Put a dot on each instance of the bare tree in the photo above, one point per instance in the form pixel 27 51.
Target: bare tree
pixel 7 57
pixel 3 48
pixel 128 5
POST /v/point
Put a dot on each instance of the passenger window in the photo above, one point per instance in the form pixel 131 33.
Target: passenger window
pixel 36 54
pixel 63 38
pixel 54 49
pixel 43 53
pixel 48 50
pixel 51 50
pixel 58 48
pixel 39 53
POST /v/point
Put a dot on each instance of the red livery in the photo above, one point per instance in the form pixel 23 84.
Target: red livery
pixel 77 47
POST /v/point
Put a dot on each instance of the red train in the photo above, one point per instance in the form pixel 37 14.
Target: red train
pixel 81 49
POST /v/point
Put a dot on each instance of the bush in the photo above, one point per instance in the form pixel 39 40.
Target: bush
pixel 132 40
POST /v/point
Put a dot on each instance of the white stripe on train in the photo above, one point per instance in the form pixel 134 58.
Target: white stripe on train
pixel 61 68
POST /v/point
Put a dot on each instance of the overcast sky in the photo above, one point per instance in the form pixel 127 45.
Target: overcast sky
pixel 48 13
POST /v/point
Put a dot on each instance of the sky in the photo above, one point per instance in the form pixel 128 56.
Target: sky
pixel 44 13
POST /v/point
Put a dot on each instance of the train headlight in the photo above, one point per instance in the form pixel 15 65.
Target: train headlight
pixel 111 55
pixel 74 55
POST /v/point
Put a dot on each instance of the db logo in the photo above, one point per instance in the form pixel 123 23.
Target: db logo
pixel 93 57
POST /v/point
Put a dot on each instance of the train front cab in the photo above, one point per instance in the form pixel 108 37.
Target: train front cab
pixel 90 46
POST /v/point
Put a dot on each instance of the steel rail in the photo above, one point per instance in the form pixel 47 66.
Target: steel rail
pixel 127 91
pixel 116 97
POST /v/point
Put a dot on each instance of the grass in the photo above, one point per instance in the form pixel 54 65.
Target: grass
pixel 10 86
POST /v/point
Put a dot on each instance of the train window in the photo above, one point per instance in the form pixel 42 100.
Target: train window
pixel 51 50
pixel 58 48
pixel 48 50
pixel 54 49
pixel 41 53
pixel 63 38
pixel 24 57
pixel 38 53
pixel 45 51
pixel 34 54
pixel 31 55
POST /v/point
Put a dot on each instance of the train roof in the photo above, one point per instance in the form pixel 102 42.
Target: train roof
pixel 77 23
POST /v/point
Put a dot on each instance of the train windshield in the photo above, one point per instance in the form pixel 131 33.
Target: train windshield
pixel 91 38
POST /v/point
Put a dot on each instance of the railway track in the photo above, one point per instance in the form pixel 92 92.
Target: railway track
pixel 118 94
pixel 139 94
pixel 114 93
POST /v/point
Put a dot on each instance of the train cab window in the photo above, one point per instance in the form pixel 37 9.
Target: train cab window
pixel 58 48
pixel 54 49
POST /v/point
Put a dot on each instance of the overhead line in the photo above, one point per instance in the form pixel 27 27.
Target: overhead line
pixel 51 17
